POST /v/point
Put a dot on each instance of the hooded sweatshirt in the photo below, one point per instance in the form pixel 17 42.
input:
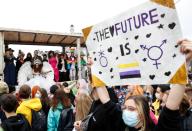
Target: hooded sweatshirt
pixel 16 123
pixel 26 106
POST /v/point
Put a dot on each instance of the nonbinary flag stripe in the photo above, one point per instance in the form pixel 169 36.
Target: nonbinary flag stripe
pixel 130 74
pixel 129 65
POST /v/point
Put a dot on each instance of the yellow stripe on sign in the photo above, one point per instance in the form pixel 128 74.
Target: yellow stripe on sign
pixel 134 64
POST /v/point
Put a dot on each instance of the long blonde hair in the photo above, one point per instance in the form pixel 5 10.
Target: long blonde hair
pixel 143 111
pixel 83 105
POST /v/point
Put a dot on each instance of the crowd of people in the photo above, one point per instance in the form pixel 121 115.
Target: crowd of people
pixel 81 107
pixel 64 65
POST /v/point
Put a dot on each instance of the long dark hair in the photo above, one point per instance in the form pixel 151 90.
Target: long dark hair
pixel 60 97
pixel 49 54
pixel 44 96
pixel 143 110
pixel 40 66
pixel 29 55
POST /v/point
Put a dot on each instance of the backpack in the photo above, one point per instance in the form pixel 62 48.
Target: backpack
pixel 85 122
pixel 66 120
pixel 39 121
pixel 21 125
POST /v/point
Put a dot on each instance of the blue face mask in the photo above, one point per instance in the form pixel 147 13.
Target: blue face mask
pixel 149 96
pixel 130 118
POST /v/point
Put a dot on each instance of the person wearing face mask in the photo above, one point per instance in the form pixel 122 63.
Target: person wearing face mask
pixel 160 92
pixel 41 93
pixel 136 113
pixel 35 92
pixel 134 110
pixel 27 103
pixel 149 93
pixel 105 117
pixel 135 116
pixel 121 92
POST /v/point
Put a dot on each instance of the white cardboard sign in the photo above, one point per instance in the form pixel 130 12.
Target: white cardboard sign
pixel 137 47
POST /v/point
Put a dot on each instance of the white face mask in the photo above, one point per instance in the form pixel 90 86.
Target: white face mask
pixel 130 118
pixel 157 95
pixel 37 95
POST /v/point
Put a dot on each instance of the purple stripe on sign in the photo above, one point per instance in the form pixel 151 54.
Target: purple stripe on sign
pixel 133 72
pixel 130 76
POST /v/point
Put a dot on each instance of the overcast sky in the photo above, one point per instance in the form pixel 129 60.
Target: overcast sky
pixel 58 15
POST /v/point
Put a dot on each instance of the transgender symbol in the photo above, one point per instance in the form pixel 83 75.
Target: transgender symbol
pixel 103 60
pixel 154 52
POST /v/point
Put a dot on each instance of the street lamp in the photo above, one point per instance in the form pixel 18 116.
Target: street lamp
pixel 72 30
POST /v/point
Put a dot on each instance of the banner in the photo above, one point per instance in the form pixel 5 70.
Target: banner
pixel 138 47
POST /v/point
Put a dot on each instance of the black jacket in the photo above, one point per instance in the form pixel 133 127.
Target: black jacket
pixel 59 66
pixel 16 123
pixel 28 59
pixel 45 107
pixel 112 95
pixel 18 65
pixel 2 114
pixel 66 120
pixel 186 121
pixel 107 118
pixel 168 121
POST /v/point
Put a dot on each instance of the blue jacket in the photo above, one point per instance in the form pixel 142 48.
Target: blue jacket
pixel 53 118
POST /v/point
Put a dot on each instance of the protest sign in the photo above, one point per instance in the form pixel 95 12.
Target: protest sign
pixel 138 47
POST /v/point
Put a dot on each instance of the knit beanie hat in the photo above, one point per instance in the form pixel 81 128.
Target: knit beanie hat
pixel 3 88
